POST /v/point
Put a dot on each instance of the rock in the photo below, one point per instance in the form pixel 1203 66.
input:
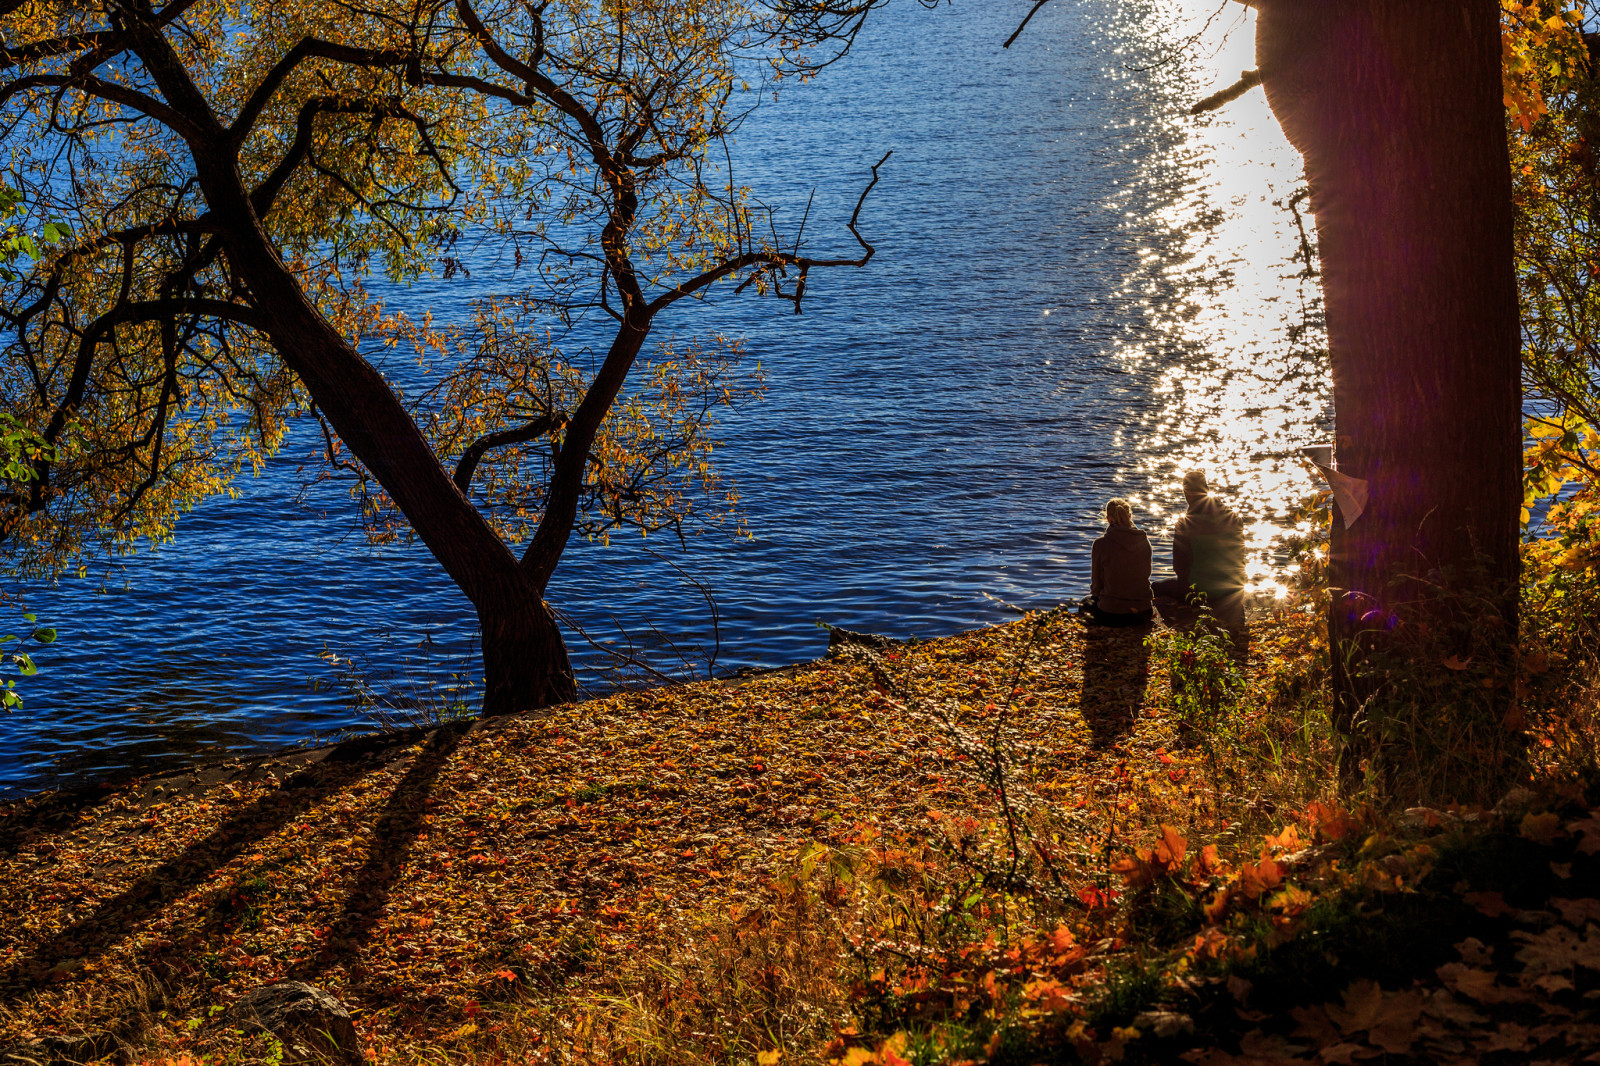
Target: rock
pixel 310 1024
pixel 1164 1023
pixel 838 638
pixel 66 1051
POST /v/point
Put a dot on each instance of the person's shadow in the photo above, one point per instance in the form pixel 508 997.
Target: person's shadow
pixel 1116 670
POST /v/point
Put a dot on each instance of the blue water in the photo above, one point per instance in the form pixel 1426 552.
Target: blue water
pixel 1077 292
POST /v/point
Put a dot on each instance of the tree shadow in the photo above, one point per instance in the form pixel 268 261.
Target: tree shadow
pixel 1116 669
pixel 37 818
pixel 393 835
pixel 118 918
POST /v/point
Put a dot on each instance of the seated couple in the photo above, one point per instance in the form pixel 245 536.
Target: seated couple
pixel 1207 556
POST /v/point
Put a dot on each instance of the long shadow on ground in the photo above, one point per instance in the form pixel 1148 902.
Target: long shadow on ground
pixel 393 835
pixel 1116 669
pixel 116 919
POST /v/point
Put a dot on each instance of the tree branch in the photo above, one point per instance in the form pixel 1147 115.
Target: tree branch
pixel 506 437
pixel 1248 79
pixel 105 90
pixel 777 259
pixel 1034 10
pixel 306 48
pixel 125 312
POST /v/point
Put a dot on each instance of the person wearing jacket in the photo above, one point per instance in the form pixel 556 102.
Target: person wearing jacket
pixel 1119 581
pixel 1207 550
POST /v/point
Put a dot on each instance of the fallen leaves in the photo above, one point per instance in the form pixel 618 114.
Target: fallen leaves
pixel 551 850
pixel 430 882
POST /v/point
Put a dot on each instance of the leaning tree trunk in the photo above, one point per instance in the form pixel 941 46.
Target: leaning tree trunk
pixel 525 663
pixel 1396 107
pixel 525 660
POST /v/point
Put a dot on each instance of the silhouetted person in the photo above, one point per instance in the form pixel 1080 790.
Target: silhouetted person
pixel 1207 553
pixel 1119 581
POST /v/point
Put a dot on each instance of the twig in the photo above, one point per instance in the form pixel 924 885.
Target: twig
pixel 1034 10
pixel 1248 79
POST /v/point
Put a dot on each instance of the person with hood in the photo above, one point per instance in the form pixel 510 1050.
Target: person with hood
pixel 1207 551
pixel 1119 568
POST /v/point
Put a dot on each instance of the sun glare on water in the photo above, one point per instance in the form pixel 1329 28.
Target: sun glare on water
pixel 1229 295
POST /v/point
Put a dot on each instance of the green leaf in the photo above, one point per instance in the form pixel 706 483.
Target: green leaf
pixel 45 635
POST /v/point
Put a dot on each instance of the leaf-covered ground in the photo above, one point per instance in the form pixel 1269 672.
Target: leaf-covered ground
pixel 435 882
pixel 412 879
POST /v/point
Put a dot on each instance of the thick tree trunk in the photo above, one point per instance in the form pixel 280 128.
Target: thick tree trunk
pixel 1397 110
pixel 525 660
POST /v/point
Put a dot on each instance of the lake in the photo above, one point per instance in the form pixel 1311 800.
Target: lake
pixel 1079 292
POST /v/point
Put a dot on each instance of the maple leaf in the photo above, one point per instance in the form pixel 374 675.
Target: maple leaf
pixel 1256 878
pixel 1170 851
pixel 1558 950
pixel 1288 840
pixel 1047 993
pixel 1470 981
pixel 1577 911
pixel 1551 983
pixel 1313 1023
pixel 1540 828
pixel 1490 904
pixel 1473 952
pixel 1270 1046
pixel 1509 1036
pixel 1330 823
pixel 1442 1005
pixel 1589 829
pixel 1387 1018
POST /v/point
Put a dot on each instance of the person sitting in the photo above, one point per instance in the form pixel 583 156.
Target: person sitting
pixel 1119 572
pixel 1207 551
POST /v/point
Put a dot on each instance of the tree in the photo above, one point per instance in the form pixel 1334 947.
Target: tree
pixel 1397 111
pixel 1553 100
pixel 236 172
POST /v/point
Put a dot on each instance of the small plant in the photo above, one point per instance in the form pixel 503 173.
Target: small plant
pixel 1206 681
pixel 1438 720
pixel 412 699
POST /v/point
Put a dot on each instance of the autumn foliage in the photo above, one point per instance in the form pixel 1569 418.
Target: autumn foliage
pixel 992 847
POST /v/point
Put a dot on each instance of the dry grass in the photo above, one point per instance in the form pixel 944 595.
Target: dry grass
pixel 683 876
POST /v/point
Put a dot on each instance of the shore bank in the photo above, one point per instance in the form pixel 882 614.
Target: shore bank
pixel 421 876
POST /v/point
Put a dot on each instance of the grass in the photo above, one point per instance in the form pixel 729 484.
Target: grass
pixel 1014 845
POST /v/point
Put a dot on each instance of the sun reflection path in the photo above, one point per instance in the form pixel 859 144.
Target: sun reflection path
pixel 1227 321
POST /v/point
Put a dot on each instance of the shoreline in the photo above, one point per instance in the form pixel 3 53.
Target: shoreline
pixel 206 772
pixel 407 874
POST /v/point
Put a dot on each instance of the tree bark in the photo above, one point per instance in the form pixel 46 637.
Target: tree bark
pixel 1397 109
pixel 525 660
pixel 525 663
